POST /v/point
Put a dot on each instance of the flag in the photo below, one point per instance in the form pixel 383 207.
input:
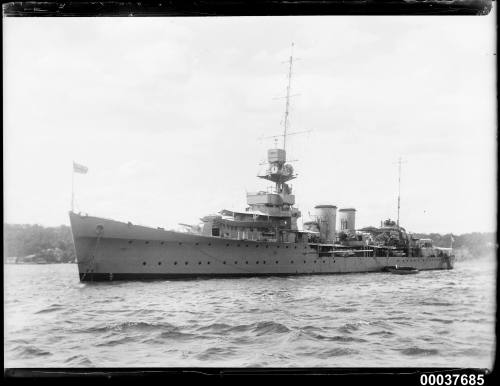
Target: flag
pixel 79 168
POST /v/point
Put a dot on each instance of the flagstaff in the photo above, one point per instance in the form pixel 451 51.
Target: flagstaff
pixel 77 168
pixel 73 187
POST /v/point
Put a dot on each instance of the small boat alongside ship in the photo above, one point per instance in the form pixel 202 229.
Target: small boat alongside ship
pixel 402 270
pixel 262 239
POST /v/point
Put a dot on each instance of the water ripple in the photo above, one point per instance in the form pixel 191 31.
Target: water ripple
pixel 438 318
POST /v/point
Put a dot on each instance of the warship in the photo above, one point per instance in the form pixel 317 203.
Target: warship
pixel 262 239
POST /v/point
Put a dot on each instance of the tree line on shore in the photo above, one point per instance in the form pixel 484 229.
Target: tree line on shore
pixel 36 243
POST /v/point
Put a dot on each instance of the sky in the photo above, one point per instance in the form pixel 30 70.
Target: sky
pixel 168 114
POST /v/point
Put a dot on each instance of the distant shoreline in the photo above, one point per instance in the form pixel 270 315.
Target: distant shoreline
pixel 36 244
pixel 30 263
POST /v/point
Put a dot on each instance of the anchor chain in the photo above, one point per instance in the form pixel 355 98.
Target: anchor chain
pixel 99 231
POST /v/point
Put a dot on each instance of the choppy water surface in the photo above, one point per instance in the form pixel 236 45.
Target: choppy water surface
pixel 434 318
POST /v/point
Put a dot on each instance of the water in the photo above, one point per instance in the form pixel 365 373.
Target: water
pixel 434 318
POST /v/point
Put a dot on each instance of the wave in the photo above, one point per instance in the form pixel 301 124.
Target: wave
pixel 216 327
pixel 126 326
pixel 382 333
pixel 350 327
pixel 262 328
pixel 346 309
pixel 51 308
pixel 115 342
pixel 215 352
pixel 327 338
pixel 417 351
pixel 259 328
pixel 79 360
pixel 434 303
pixel 335 352
pixel 30 351
pixel 445 321
pixel 176 334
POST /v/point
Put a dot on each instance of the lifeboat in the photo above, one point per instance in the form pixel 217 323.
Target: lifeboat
pixel 402 270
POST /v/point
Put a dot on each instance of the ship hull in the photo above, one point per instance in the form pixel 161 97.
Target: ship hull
pixel 108 250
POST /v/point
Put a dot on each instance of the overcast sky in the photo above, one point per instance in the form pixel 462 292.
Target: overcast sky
pixel 167 114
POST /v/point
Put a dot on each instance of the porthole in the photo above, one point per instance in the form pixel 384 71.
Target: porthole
pixel 186 263
pixel 199 262
pixel 146 242
pixel 292 261
pixel 175 262
pixel 264 262
pixel 246 262
pixel 130 241
pixel 314 261
pixel 295 247
pixel 235 262
pixel 209 244
pixel 227 245
pixel 224 262
pixel 196 243
pixel 143 263
pixel 159 263
pixel 304 261
pixel 278 246
pixel 256 262
pixel 162 242
pixel 267 246
pixel 286 247
pixel 180 243
pixel 256 245
pixel 238 245
pixel 208 262
pixel 276 261
pixel 246 245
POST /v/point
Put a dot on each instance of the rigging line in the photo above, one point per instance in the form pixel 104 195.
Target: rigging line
pixel 287 106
